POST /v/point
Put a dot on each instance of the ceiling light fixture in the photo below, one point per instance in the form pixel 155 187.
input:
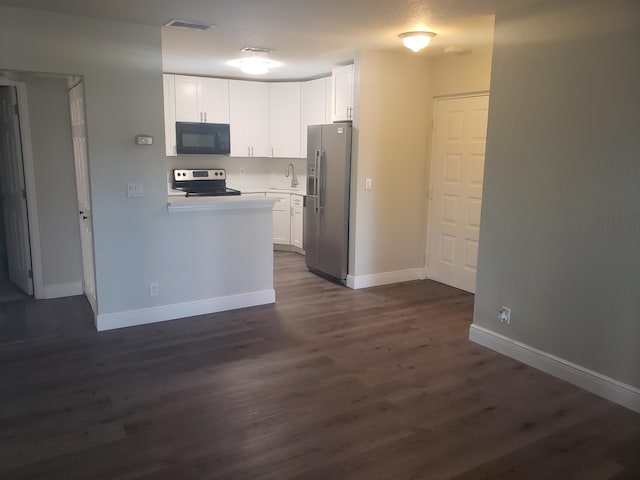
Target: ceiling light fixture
pixel 416 41
pixel 256 61
pixel 254 65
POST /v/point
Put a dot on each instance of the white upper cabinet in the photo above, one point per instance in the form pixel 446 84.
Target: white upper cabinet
pixel 284 119
pixel 213 99
pixel 314 107
pixel 168 84
pixel 249 118
pixel 201 99
pixel 342 93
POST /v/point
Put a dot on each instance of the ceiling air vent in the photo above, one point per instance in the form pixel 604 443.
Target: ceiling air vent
pixel 189 25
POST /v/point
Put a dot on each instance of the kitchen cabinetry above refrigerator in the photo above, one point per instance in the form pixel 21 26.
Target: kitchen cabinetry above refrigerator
pixel 342 97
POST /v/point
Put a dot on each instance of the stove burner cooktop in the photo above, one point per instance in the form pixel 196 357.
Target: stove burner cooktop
pixel 214 193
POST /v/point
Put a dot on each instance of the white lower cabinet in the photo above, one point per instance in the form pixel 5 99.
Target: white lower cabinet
pixel 297 221
pixel 281 218
pixel 288 217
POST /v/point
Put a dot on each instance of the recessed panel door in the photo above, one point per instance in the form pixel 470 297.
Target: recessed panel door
pixel 14 203
pixel 457 172
pixel 79 137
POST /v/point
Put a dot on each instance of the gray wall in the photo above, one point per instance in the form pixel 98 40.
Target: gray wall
pixel 560 235
pixel 137 241
pixel 55 180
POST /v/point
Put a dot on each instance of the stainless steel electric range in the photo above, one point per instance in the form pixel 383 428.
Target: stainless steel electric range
pixel 202 183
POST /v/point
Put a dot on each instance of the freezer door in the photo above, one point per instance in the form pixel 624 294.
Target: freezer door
pixel 311 210
pixel 333 174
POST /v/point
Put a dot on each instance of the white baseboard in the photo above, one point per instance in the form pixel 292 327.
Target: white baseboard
pixel 601 385
pixel 163 313
pixel 377 279
pixel 58 290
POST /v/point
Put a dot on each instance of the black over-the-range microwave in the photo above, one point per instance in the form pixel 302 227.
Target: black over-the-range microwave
pixel 203 138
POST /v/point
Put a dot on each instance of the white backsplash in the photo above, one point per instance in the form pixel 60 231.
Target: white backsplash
pixel 247 173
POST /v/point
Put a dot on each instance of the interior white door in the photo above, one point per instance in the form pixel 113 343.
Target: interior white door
pixel 457 171
pixel 79 135
pixel 14 203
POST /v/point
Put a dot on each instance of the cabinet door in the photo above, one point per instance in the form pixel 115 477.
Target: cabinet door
pixel 187 99
pixel 297 221
pixel 314 103
pixel 213 99
pixel 343 93
pixel 169 91
pixel 281 218
pixel 328 101
pixel 284 119
pixel 259 119
pixel 249 118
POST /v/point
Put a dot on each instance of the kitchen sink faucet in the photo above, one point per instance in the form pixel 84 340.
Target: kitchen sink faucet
pixel 291 171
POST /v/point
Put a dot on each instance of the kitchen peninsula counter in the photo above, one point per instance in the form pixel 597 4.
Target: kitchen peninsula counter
pixel 223 203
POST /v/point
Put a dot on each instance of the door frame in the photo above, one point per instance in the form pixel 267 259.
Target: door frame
pixel 436 101
pixel 29 184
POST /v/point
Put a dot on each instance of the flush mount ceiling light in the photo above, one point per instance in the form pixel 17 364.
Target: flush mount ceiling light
pixel 416 41
pixel 256 61
pixel 254 65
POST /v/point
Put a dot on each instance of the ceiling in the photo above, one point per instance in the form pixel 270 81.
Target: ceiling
pixel 307 36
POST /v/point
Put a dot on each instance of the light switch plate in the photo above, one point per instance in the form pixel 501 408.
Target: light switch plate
pixel 134 190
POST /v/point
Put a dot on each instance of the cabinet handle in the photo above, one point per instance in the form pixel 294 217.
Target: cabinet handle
pixel 200 117
pixel 252 151
pixel 205 117
pixel 248 151
pixel 271 152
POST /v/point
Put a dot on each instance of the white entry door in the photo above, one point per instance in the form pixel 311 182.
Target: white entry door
pixel 457 171
pixel 79 135
pixel 14 203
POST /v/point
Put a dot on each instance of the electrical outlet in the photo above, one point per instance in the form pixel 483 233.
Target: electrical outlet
pixel 504 315
pixel 367 183
pixel 153 290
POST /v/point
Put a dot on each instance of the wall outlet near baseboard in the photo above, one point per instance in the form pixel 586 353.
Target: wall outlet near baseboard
pixel 153 289
pixel 504 315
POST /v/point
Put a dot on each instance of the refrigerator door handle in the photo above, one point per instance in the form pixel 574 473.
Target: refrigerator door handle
pixel 316 196
pixel 319 182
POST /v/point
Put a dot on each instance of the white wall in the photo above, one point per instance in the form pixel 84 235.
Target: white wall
pixel 137 241
pixel 391 125
pixel 55 184
pixel 560 233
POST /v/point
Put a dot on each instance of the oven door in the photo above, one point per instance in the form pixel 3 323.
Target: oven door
pixel 202 138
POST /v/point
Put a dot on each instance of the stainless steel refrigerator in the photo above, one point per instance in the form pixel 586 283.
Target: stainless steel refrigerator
pixel 326 216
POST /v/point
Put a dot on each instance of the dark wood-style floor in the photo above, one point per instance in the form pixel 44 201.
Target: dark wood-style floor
pixel 328 383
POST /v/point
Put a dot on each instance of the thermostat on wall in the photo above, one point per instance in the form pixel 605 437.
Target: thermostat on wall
pixel 144 140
